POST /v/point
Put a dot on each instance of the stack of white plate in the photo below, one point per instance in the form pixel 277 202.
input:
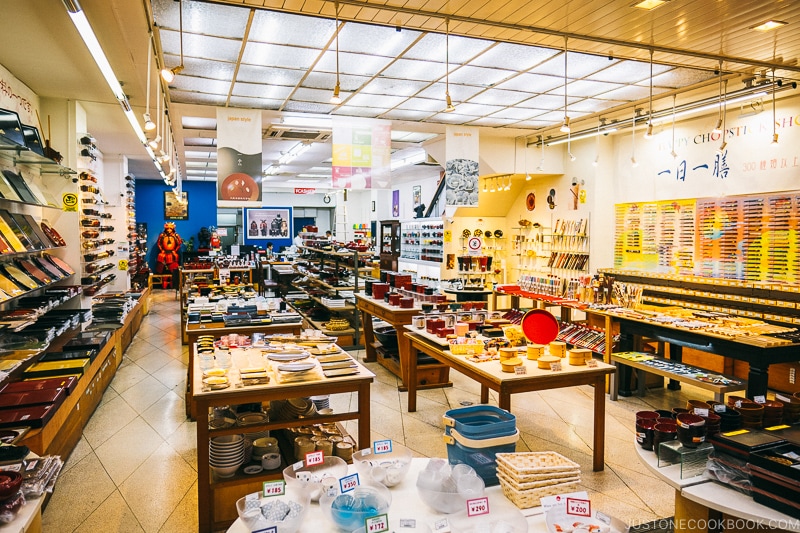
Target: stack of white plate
pixel 292 408
pixel 226 454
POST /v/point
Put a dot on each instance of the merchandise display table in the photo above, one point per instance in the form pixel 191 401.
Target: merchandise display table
pixel 490 376
pixel 397 317
pixel 470 295
pixel 703 505
pixel 407 503
pixel 193 331
pixel 216 498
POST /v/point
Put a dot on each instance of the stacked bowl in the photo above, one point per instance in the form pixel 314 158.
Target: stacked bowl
pixel 226 454
pixel 791 408
pixel 773 413
pixel 691 429
pixel 752 414
pixel 645 428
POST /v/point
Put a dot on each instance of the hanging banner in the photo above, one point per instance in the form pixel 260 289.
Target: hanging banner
pixel 238 157
pixel 461 169
pixel 361 153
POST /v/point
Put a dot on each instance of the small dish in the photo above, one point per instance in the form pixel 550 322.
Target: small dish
pixel 296 367
pixel 253 469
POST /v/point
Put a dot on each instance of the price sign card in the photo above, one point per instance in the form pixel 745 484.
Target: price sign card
pixel 348 483
pixel 314 458
pixel 478 506
pixel 591 363
pixel 377 524
pixel 441 526
pixel 555 367
pixel 579 507
pixel 273 488
pixel 520 370
pixel 760 399
pixel 382 446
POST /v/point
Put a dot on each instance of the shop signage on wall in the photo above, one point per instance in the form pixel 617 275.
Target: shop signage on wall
pixel 304 190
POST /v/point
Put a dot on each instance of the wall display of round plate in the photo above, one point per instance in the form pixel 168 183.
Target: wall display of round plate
pixel 540 326
pixel 466 233
pixel 296 367
pixel 498 233
pixel 530 201
pixel 478 232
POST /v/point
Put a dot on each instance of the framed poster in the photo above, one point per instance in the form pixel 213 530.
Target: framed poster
pixel 176 208
pixel 268 223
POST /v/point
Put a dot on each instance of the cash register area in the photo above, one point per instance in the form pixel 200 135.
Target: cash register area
pixel 135 467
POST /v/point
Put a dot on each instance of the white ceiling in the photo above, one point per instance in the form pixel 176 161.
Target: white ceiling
pixel 506 63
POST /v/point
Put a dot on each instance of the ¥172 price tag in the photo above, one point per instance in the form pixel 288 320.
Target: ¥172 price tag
pixel 578 507
pixel 382 446
pixel 478 506
pixel 315 458
pixel 348 483
pixel 273 488
pixel 377 524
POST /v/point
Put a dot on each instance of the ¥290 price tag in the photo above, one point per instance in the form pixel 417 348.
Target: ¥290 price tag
pixel 314 458
pixel 382 446
pixel 478 506
pixel 273 488
pixel 348 483
pixel 579 507
pixel 376 524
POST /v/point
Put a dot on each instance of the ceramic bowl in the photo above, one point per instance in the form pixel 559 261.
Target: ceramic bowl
pixel 389 468
pixel 325 474
pixel 225 471
pixel 10 482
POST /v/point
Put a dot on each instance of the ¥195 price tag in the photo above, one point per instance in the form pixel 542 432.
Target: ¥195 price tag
pixel 348 483
pixel 376 524
pixel 314 458
pixel 273 488
pixel 520 370
pixel 382 446
pixel 555 367
pixel 478 506
pixel 579 507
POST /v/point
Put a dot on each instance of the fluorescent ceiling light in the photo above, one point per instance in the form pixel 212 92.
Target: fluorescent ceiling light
pixel 293 153
pixel 89 38
pixel 312 182
pixel 769 25
pixel 649 4
pixel 714 105
pixel 189 154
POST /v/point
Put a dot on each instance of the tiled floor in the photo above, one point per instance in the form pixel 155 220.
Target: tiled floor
pixel 135 468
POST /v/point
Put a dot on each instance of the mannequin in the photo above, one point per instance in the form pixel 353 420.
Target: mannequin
pixel 169 246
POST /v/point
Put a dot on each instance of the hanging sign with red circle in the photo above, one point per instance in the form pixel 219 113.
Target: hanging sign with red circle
pixel 474 245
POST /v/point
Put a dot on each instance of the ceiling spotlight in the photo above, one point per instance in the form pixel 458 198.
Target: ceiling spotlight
pixel 634 163
pixel 565 126
pixel 572 157
pixel 540 168
pixel 164 157
pixel 168 74
pixel 596 161
pixel 508 184
pixel 722 147
pixel 493 189
pixel 674 154
pixel 449 107
pixel 774 138
pixel 485 188
pixel 649 133
pixel 154 142
pixel 149 125
pixel 336 98
pixel 528 177
pixel 718 128
pixel 449 103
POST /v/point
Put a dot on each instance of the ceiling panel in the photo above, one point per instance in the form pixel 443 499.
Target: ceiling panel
pixel 290 30
pixel 261 90
pixel 532 82
pixel 376 40
pixel 480 76
pixel 271 75
pixel 499 97
pixel 512 56
pixel 350 63
pixel 400 87
pixel 459 93
pixel 202 18
pixel 415 70
pixel 201 46
pixel 578 65
pixel 273 55
pixel 327 80
pixel 432 48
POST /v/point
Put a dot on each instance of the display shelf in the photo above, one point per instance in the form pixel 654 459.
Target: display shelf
pixel 389 244
pixel 21 155
pixel 422 240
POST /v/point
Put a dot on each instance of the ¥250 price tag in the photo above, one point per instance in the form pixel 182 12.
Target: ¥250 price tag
pixel 579 507
pixel 348 483
pixel 382 446
pixel 273 488
pixel 478 506
pixel 314 458
pixel 376 524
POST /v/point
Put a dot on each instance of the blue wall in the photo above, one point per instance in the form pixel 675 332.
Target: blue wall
pixel 150 209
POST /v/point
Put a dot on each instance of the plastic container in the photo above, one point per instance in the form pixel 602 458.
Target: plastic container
pixel 446 488
pixel 325 474
pixel 285 512
pixel 475 434
pixel 388 468
pixel 349 510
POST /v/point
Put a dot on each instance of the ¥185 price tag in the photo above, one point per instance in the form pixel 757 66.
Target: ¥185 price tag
pixel 382 446
pixel 478 506
pixel 579 507
pixel 348 483
pixel 376 524
pixel 314 458
pixel 273 488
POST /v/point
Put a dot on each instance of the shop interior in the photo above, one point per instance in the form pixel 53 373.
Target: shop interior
pixel 576 220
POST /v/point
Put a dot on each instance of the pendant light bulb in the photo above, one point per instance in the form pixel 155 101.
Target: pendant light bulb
pixel 596 161
pixel 449 107
pixel 493 189
pixel 508 184
pixel 149 125
pixel 528 177
pixel 565 126
pixel 722 147
pixel 718 128
pixel 634 163
pixel 154 142
pixel 674 154
pixel 336 99
pixel 449 103
pixel 649 133
pixel 572 157
pixel 485 187
pixel 774 138
pixel 168 74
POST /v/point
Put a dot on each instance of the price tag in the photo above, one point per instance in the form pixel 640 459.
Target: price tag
pixel 270 529
pixel 478 506
pixel 759 399
pixel 314 458
pixel 720 408
pixel 382 446
pixel 520 370
pixel 555 367
pixel 782 398
pixel 591 363
pixel 408 523
pixel 548 502
pixel 348 483
pixel 578 507
pixel 376 524
pixel 738 403
pixel 604 518
pixel 699 411
pixel 273 488
pixel 297 466
pixel 441 526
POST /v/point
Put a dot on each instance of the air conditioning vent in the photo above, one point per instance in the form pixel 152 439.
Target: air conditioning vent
pixel 296 134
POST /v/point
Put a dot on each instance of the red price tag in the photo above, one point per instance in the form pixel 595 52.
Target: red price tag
pixel 579 507
pixel 348 483
pixel 314 458
pixel 376 524
pixel 273 488
pixel 478 506
pixel 382 446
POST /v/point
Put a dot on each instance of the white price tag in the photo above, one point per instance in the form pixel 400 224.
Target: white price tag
pixel 441 526
pixel 478 506
pixel 297 466
pixel 520 370
pixel 348 483
pixel 377 524
pixel 314 458
pixel 252 496
pixel 782 398
pixel 273 488
pixel 591 363
pixel 720 408
pixel 699 411
pixel 382 446
pixel 555 367
pixel 579 507
pixel 760 399
pixel 548 502
pixel 408 523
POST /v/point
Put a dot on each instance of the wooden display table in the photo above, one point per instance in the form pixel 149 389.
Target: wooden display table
pixel 428 376
pixel 490 376
pixel 217 329
pixel 216 499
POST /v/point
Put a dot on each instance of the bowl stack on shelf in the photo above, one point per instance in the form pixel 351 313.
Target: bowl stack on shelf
pixel 226 455
pixel 525 477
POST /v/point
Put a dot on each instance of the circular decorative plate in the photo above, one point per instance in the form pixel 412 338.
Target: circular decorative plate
pixel 466 233
pixel 498 233
pixel 477 232
pixel 239 186
pixel 530 201
pixel 540 326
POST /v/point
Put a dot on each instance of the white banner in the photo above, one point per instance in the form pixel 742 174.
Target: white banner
pixel 362 151
pixel 461 169
pixel 238 157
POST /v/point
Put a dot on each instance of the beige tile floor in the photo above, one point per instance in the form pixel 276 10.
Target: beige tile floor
pixel 135 469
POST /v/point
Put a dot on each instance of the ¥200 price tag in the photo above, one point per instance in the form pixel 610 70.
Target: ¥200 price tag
pixel 376 524
pixel 579 507
pixel 348 483
pixel 314 458
pixel 478 506
pixel 382 446
pixel 273 488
